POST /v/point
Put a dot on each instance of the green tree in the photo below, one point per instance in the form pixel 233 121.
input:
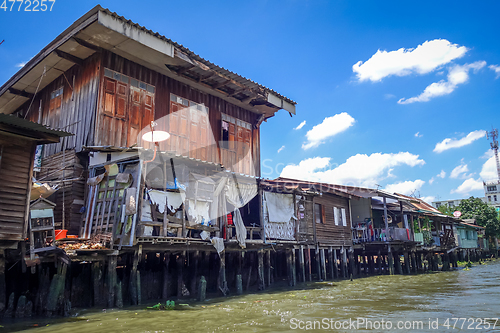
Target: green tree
pixel 446 210
pixel 485 215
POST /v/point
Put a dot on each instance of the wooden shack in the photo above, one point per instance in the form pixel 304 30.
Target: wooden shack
pixel 106 78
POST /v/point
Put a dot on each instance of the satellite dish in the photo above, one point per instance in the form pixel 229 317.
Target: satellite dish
pixel 155 136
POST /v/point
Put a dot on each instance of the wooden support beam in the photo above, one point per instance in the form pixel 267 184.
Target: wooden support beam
pixel 222 274
pixel 97 280
pixel 407 262
pixel 185 69
pixel 260 270
pixel 21 93
pixel 268 267
pixel 166 263
pixel 318 262
pixel 69 57
pixel 390 262
pixel 323 264
pixel 294 268
pixel 194 272
pixel 112 261
pixel 379 262
pixel 180 271
pixel 86 44
pixel 302 264
pixel 220 84
pixel 335 265
pixel 133 279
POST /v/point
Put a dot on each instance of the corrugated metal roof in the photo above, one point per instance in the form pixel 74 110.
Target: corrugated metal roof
pixel 21 123
pixel 306 186
pixel 221 70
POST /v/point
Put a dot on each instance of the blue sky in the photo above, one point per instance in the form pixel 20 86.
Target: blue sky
pixel 396 94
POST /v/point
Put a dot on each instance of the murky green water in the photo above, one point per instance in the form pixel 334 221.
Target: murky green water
pixel 384 300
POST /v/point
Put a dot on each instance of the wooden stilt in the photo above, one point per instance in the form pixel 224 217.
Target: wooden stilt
pixel 379 262
pixel 318 263
pixel 260 270
pixel 407 262
pixel 194 273
pixel 166 263
pixel 323 264
pixel 250 267
pixel 56 288
pixel 371 265
pixel 180 270
pixel 294 268
pixel 335 265
pixel 111 273
pixel 222 274
pixel 268 267
pixel 239 284
pixel 309 264
pixel 330 263
pixel 344 263
pixel 363 261
pixel 302 264
pixel 133 279
pixel 202 290
pixel 118 295
pixel 413 262
pixel 390 262
pixel 397 261
pixel 352 263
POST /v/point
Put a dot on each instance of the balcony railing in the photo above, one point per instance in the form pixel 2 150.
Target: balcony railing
pixel 364 235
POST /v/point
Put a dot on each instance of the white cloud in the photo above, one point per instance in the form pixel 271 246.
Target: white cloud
pixel 429 199
pixel 329 127
pixel 454 143
pixel 21 64
pixel 358 170
pixel 431 180
pixel 489 169
pixel 300 125
pixel 458 74
pixel 421 60
pixel 442 174
pixel 468 186
pixel 389 96
pixel 408 187
pixel 460 172
pixel 281 148
pixel 496 69
pixel 418 135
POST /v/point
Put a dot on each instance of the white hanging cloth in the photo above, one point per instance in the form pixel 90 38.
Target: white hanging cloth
pixel 239 194
pixel 279 207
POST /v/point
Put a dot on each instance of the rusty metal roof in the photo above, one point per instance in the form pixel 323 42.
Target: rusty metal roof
pixel 306 186
pixel 24 124
pixel 221 70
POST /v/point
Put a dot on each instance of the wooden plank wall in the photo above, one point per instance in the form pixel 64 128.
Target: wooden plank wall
pixel 15 179
pixel 74 190
pixel 328 233
pixel 164 86
pixel 78 106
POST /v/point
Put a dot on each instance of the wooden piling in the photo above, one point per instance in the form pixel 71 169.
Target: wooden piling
pixel 56 289
pixel 331 267
pixel 260 270
pixel 202 289
pixel 222 281
pixel 194 272
pixel 413 262
pixel 323 264
pixel 118 295
pixel 344 263
pixel 407 262
pixel 165 275
pixel 239 284
pixel 335 265
pixel 397 261
pixel 390 262
pixel 268 268
pixel 294 268
pixel 371 265
pixel 180 270
pixel 352 263
pixel 111 280
pixel 379 263
pixel 302 264
pixel 250 267
pixel 309 265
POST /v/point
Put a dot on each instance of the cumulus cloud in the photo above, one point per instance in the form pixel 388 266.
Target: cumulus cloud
pixel 431 181
pixel 468 186
pixel 329 127
pixel 449 143
pixel 496 69
pixel 429 199
pixel 300 125
pixel 458 74
pixel 421 60
pixel 418 135
pixel 460 172
pixel 408 187
pixel 442 174
pixel 358 170
pixel 281 148
pixel 489 169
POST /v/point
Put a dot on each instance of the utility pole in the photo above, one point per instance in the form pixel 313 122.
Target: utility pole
pixel 493 135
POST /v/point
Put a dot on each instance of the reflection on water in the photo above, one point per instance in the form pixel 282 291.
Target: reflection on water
pixel 419 298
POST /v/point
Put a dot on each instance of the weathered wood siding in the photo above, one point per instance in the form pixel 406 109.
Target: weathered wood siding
pixel 117 130
pixel 327 233
pixel 16 156
pixel 75 110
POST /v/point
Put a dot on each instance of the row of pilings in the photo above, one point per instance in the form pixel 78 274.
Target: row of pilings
pixel 135 278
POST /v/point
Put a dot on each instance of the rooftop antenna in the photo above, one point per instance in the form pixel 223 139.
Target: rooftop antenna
pixel 493 135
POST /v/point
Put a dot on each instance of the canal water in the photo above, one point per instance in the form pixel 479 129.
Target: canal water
pixel 415 303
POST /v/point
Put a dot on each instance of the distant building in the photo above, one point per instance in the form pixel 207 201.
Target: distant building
pixel 450 203
pixel 492 193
